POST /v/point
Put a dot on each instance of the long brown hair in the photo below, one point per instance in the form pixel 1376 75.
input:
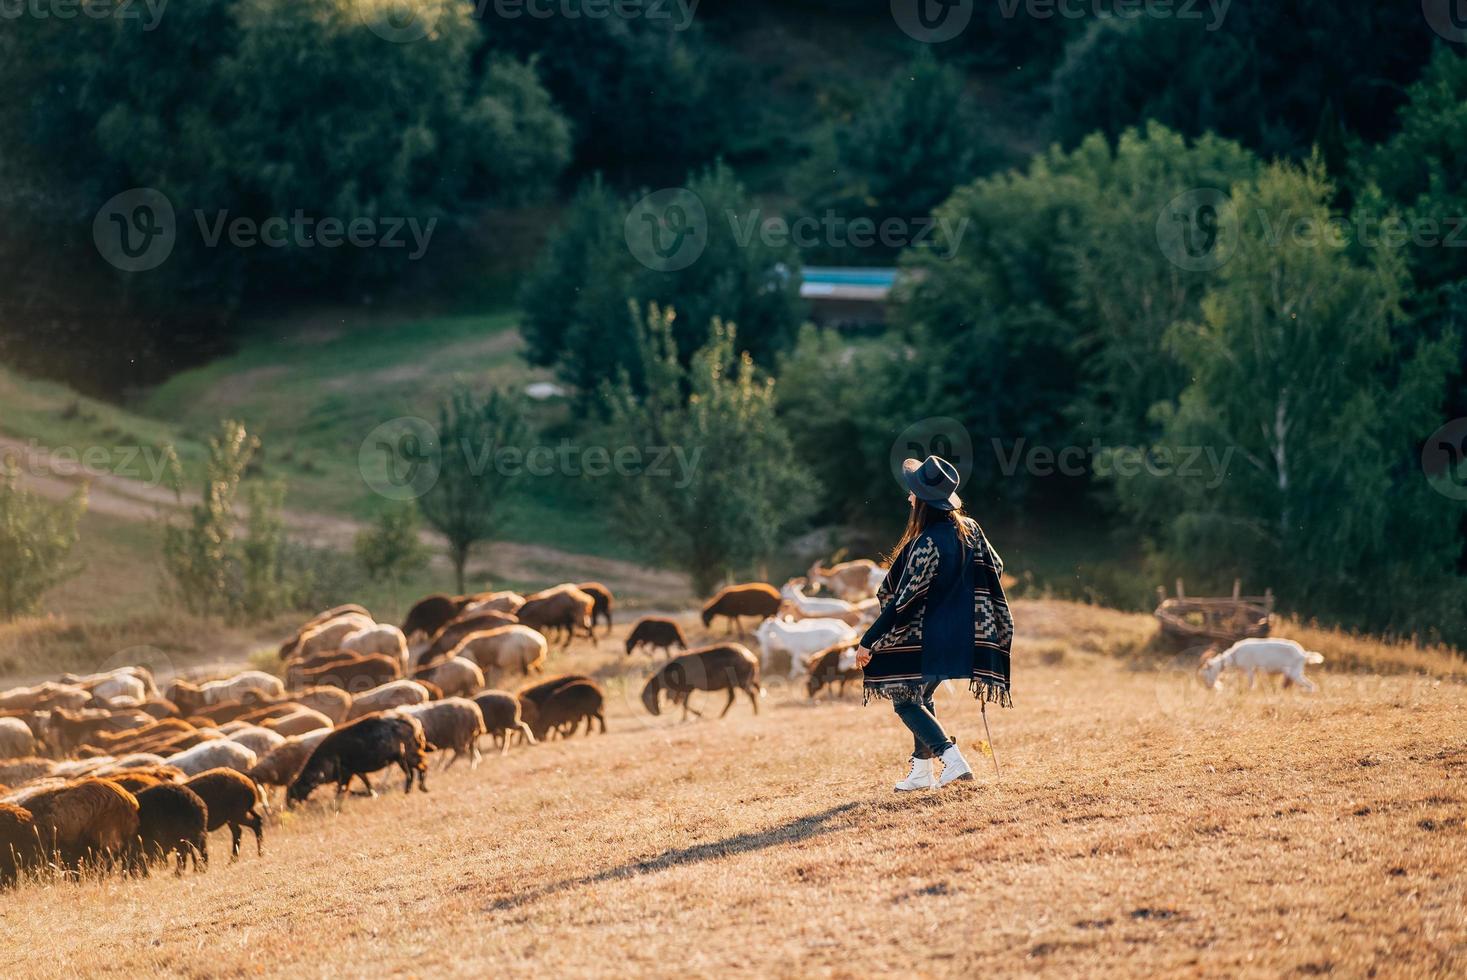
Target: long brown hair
pixel 923 516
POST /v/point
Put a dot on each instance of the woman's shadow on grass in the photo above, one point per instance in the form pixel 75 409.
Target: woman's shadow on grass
pixel 802 828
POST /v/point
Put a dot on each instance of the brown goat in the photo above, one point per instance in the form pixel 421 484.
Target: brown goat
pixel 756 599
pixel 231 798
pixel 603 600
pixel 563 607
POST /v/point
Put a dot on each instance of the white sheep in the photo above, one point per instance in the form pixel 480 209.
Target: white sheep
pixel 393 694
pixel 455 677
pixel 16 739
pixel 328 635
pixel 258 740
pixel 215 754
pixel 800 639
pixel 250 682
pixel 1267 656
pixel 382 638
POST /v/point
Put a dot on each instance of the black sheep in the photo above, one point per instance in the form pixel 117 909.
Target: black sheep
pixel 431 614
pixel 726 667
pixel 364 746
pixel 172 818
pixel 655 631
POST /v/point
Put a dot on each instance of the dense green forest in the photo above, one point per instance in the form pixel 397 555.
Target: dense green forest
pixel 1196 280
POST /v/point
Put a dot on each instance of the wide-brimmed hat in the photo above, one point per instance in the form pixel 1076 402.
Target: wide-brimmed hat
pixel 934 481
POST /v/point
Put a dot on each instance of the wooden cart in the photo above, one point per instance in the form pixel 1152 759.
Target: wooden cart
pixel 1190 621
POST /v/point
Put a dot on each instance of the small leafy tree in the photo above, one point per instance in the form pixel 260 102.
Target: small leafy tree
pixel 390 550
pixel 36 539
pixel 465 503
pixel 197 555
pixel 736 490
pixel 266 590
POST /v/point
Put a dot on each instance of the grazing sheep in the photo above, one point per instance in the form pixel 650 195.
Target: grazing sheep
pixel 299 722
pixel 172 819
pixel 160 708
pixel 213 755
pixel 91 681
pixel 500 602
pixel 502 716
pixel 45 696
pixel 529 714
pixel 801 606
pixel 800 639
pixel 455 677
pixel 359 748
pixel 850 580
pixel 227 711
pixel 392 695
pixel 351 609
pixel 836 664
pixel 726 667
pixel 655 631
pixel 270 712
pixel 564 707
pixel 232 798
pixel 453 634
pixel 352 673
pixel 737 601
pixel 453 723
pixel 16 739
pixel 136 780
pixel 86 820
pixel 122 742
pixel 140 761
pixel 66 730
pixel 435 693
pixel 537 693
pixel 603 600
pixel 282 764
pixel 1267 656
pixel 257 740
pixel 190 697
pixel 381 638
pixel 328 635
pixel 562 608
pixel 431 614
pixel 13 772
pixel 20 847
pixel 505 648
pixel 332 702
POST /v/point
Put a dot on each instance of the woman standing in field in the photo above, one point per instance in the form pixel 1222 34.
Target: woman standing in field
pixel 943 617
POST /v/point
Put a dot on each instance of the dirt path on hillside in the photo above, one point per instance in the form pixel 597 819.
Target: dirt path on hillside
pixel 134 500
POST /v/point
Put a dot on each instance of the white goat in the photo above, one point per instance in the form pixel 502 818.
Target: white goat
pixel 850 580
pixel 802 606
pixel 800 639
pixel 1267 656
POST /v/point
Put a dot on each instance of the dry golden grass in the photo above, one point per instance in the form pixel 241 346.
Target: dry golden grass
pixel 1142 826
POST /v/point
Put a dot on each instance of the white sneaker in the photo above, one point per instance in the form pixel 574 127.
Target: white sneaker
pixel 919 778
pixel 954 766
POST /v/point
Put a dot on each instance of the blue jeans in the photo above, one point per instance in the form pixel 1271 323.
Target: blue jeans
pixel 928 739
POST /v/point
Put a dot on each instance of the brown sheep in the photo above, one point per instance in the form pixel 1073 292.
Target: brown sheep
pixel 431 614
pixel 603 600
pixel 227 711
pixel 44 697
pixel 453 723
pixel 134 780
pixel 505 648
pixel 172 818
pixel 160 708
pixel 332 702
pixel 87 820
pixel 435 693
pixel 656 631
pixel 289 646
pixel 352 673
pixel 17 771
pixel 502 716
pixel 191 697
pixel 826 669
pixel 66 730
pixel 391 695
pixel 530 715
pixel 20 847
pixel 282 764
pixel 298 722
pixel 756 599
pixel 726 667
pixel 329 634
pixel 232 798
pixel 562 710
pixel 501 602
pixel 455 676
pixel 453 634
pixel 563 607
pixel 280 709
pixel 121 743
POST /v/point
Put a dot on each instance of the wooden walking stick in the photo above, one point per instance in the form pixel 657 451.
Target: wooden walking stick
pixel 983 708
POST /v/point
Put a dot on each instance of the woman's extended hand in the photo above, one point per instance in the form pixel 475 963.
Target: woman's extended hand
pixel 863 657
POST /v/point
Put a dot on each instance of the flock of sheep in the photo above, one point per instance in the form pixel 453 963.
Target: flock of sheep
pixel 107 771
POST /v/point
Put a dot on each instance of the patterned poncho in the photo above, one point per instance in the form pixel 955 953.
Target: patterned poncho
pixel 923 632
